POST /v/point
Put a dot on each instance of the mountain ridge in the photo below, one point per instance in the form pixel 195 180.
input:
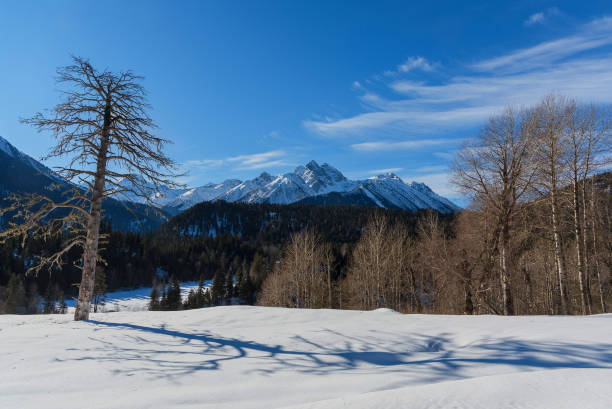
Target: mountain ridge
pixel 20 173
pixel 313 183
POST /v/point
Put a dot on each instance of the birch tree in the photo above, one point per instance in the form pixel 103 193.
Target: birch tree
pixel 551 156
pixel 495 168
pixel 104 136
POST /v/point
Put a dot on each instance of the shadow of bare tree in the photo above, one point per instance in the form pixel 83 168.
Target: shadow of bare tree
pixel 177 354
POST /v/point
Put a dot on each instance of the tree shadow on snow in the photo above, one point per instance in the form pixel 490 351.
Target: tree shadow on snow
pixel 427 358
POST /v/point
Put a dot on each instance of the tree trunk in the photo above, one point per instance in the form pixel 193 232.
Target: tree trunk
pixel 504 278
pixel 560 260
pixel 585 245
pixel 90 254
pixel 579 250
pixel 602 299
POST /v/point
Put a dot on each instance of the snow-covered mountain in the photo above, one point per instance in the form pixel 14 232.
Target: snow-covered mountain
pixel 317 184
pixel 311 183
pixel 189 197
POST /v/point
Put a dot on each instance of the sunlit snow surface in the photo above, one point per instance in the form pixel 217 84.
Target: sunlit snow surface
pixel 255 357
pixel 134 300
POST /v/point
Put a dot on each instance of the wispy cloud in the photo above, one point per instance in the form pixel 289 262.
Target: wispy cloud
pixel 383 171
pixel 259 160
pixel 432 168
pixel 593 35
pixel 577 65
pixel 535 18
pixel 541 17
pixel 392 145
pixel 203 163
pixel 413 63
pixel 270 159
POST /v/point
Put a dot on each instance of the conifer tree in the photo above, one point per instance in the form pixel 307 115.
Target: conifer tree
pixel 49 306
pixel 16 297
pixel 191 301
pixel 217 290
pixel 199 297
pixel 246 289
pixel 163 303
pixel 154 303
pixel 99 288
pixel 62 304
pixel 229 287
pixel 174 294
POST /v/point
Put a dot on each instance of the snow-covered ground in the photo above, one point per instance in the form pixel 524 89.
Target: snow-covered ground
pixel 256 357
pixel 134 300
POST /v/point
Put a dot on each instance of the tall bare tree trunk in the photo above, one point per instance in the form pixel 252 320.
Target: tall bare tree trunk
pixel 504 277
pixel 560 260
pixel 579 249
pixel 93 225
pixel 602 299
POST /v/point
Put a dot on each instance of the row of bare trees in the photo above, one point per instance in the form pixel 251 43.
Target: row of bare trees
pixel 536 238
pixel 543 155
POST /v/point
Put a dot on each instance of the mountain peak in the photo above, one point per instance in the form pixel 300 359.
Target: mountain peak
pixel 386 176
pixel 9 149
pixel 312 165
pixel 265 176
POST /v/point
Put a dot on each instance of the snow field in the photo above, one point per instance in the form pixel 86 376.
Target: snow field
pixel 256 357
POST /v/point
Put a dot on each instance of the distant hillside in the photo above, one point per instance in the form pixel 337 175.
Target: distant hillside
pixel 270 223
pixel 19 173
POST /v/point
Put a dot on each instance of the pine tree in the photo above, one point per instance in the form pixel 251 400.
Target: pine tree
pixel 246 289
pixel 16 298
pixel 200 301
pixel 229 287
pixel 217 291
pixel 154 304
pixel 49 306
pixel 163 303
pixel 207 298
pixel 191 302
pixel 99 288
pixel 174 294
pixel 62 304
pixel 258 269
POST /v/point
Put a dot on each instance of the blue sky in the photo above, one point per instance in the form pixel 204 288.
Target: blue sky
pixel 370 87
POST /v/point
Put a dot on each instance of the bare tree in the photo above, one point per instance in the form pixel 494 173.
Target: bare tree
pixel 104 135
pixel 300 279
pixel 495 167
pixel 380 267
pixel 552 119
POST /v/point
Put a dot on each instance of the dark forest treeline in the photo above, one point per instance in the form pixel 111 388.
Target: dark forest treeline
pixel 426 261
pixel 211 240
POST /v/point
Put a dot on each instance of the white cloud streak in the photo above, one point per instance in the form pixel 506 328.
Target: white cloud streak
pixel 577 65
pixel 596 34
pixel 536 18
pixel 401 145
pixel 383 171
pixel 262 160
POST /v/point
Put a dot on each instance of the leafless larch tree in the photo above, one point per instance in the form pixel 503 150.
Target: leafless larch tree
pixel 104 135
